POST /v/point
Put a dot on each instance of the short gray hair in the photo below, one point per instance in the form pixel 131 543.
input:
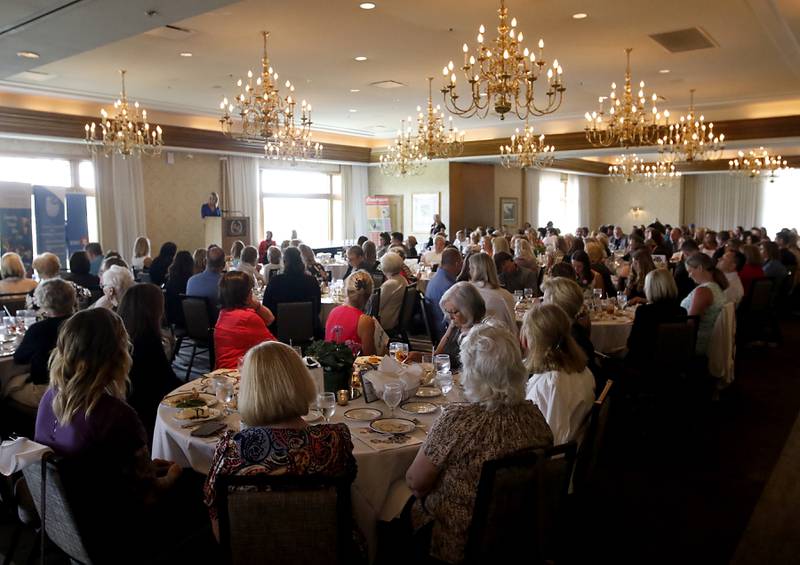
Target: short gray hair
pixel 467 299
pixel 119 278
pixel 660 285
pixel 56 297
pixel 492 371
pixel 391 263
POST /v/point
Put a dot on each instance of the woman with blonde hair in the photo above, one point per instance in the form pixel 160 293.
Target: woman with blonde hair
pixel 236 252
pixel 141 254
pixel 499 244
pixel 199 258
pixel 48 266
pixel 313 268
pixel 597 257
pixel 275 392
pixel 12 275
pixel 523 254
pixel 348 323
pixel 561 385
pixel 499 302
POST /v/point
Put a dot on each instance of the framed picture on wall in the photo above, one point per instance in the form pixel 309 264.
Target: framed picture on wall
pixel 423 207
pixel 509 212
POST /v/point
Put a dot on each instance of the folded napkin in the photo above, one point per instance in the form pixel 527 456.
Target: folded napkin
pixel 16 454
pixel 410 372
pixel 378 379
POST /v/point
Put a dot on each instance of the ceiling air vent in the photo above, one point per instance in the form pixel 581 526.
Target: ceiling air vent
pixel 689 39
pixel 171 32
pixel 387 84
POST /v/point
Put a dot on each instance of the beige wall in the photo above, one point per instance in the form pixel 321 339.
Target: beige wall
pixel 173 195
pixel 435 178
pixel 508 183
pixel 613 201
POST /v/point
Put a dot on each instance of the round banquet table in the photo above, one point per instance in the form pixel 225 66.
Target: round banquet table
pixel 327 304
pixel 378 469
pixel 610 336
pixel 337 270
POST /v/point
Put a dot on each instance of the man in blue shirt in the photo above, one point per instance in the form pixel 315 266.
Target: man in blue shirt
pixel 207 283
pixel 444 278
pixel 95 254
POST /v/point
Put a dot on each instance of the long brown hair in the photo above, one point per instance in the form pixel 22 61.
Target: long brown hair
pixel 90 359
pixel 141 310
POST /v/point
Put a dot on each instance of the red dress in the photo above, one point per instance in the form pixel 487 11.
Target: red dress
pixel 262 249
pixel 237 330
pixel 344 317
pixel 748 274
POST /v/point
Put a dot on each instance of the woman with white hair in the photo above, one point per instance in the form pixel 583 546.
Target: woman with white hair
pixel 348 323
pixel 56 300
pixel 12 275
pixel 499 302
pixel 464 306
pixel 249 264
pixel 393 290
pixel 561 385
pixel 273 265
pixel 495 421
pixel 116 280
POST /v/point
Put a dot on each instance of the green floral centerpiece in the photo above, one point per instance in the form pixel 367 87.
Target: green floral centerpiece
pixel 337 363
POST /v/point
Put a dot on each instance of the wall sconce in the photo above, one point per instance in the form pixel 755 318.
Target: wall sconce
pixel 636 211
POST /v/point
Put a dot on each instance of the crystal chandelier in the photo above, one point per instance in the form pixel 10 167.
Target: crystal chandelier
pixel 626 122
pixel 526 150
pixel 626 168
pixel 268 117
pixel 405 156
pixel 126 133
pixel 435 139
pixel 502 76
pixel 691 139
pixel 758 163
pixel 660 173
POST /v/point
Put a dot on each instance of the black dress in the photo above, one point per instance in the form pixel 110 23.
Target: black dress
pixel 293 287
pixel 172 300
pixel 39 341
pixel 158 270
pixel 642 339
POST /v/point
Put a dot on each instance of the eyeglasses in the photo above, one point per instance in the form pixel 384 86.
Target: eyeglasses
pixel 451 312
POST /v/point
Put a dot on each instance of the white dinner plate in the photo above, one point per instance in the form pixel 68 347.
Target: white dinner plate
pixel 428 392
pixel 312 416
pixel 174 399
pixel 392 425
pixel 418 407
pixel 363 414
pixel 185 415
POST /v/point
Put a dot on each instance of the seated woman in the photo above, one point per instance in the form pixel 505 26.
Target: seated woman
pixel 313 268
pixel 393 290
pixel 641 265
pixel 463 304
pixel 236 253
pixel 48 266
pixel 151 375
pixel 523 255
pixel 587 277
pixel 499 302
pixel 79 267
pixel 249 264
pixel 178 275
pixel 242 322
pixel 56 300
pixel 597 257
pixel 662 306
pixel 348 323
pixel 496 421
pixel 141 254
pixel 752 269
pixel 12 275
pixel 160 265
pixel 116 280
pixel 293 285
pixel 273 265
pixel 412 247
pixel 561 384
pixel 274 394
pixel 125 497
pixel 707 299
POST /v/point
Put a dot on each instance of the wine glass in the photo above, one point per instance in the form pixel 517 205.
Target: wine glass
pixel 444 381
pixel 393 395
pixel 528 293
pixel 326 402
pixel 225 393
pixel 442 363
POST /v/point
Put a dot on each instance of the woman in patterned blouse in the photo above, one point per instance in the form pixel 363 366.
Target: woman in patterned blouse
pixel 495 422
pixel 274 394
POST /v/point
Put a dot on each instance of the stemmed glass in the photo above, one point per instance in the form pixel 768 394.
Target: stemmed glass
pixel 518 296
pixel 392 395
pixel 326 402
pixel 225 394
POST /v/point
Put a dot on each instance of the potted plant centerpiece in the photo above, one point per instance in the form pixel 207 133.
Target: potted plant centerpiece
pixel 337 363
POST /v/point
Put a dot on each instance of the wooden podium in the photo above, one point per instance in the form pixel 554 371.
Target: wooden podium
pixel 223 231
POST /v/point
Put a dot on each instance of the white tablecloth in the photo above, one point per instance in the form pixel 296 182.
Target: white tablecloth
pixel 337 270
pixel 377 470
pixel 611 336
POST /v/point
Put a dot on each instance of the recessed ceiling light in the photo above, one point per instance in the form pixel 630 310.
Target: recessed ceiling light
pixel 355 90
pixel 353 110
pixel 27 54
pixel 580 16
pixel 360 58
pixel 664 71
pixel 186 54
pixel 367 5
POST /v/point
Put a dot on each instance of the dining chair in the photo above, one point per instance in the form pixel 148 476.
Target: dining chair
pixel 198 329
pixel 12 301
pixel 406 316
pixel 295 322
pixel 593 439
pixel 261 515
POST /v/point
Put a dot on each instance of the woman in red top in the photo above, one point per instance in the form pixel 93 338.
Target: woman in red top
pixel 347 323
pixel 242 322
pixel 265 244
pixel 752 268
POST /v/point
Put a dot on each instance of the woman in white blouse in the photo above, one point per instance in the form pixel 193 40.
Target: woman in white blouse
pixel 561 385
pixel 393 290
pixel 499 302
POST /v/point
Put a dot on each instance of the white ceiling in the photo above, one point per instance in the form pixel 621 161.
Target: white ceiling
pixel 754 72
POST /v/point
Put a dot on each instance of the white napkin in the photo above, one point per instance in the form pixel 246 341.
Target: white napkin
pixel 380 378
pixel 412 372
pixel 16 454
pixel 316 372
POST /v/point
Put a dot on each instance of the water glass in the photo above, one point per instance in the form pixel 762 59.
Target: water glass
pixel 225 394
pixel 427 367
pixel 444 381
pixel 10 323
pixel 393 395
pixel 442 363
pixel 528 293
pixel 326 403
pixel 518 296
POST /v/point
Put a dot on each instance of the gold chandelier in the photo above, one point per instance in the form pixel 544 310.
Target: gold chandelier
pixel 526 150
pixel 757 163
pixel 626 122
pixel 691 139
pixel 630 167
pixel 404 157
pixel 268 117
pixel 435 139
pixel 661 172
pixel 503 75
pixel 126 133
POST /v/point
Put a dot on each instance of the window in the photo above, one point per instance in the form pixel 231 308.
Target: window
pixel 780 201
pixel 306 201
pixel 558 201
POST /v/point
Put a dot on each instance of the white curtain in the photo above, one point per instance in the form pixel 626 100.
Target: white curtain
pixel 531 197
pixel 584 203
pixel 120 200
pixel 240 192
pixel 355 188
pixel 722 201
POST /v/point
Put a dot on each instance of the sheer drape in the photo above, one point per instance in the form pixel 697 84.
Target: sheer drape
pixel 531 197
pixel 240 192
pixel 584 203
pixel 722 201
pixel 120 199
pixel 355 188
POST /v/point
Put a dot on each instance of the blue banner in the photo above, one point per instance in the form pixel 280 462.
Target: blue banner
pixel 77 227
pixel 16 231
pixel 50 222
